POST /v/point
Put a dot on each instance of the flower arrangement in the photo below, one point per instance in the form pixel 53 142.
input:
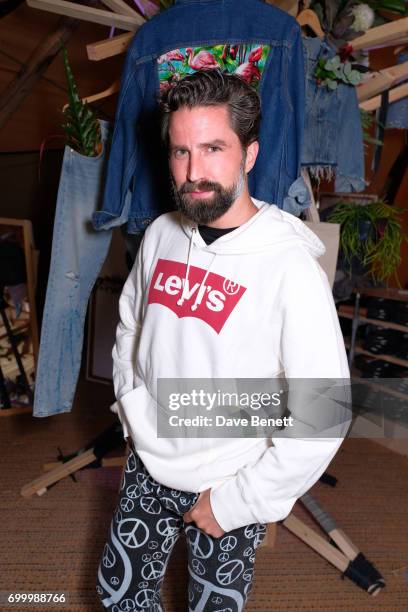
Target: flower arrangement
pixel 333 71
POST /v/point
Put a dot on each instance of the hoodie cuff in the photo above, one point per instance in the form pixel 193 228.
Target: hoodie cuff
pixel 230 509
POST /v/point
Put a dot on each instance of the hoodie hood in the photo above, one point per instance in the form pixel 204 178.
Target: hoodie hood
pixel 268 228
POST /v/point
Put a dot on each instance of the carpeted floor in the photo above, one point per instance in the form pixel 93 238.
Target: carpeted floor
pixel 53 543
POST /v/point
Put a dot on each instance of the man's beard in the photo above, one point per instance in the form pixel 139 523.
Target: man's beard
pixel 206 210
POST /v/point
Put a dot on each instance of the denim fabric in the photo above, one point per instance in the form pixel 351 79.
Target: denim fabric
pixel 78 253
pixel 397 115
pixel 298 198
pixel 137 186
pixel 333 137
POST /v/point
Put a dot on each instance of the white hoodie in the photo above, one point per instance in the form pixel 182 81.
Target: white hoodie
pixel 256 304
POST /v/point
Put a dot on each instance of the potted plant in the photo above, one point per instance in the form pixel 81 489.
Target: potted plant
pixel 81 124
pixel 371 233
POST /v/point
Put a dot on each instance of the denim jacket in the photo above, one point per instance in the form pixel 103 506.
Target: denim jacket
pixel 333 137
pixel 267 42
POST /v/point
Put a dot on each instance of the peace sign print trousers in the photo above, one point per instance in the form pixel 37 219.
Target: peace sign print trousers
pixel 145 526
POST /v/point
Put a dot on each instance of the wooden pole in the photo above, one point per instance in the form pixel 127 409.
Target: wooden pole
pixel 29 75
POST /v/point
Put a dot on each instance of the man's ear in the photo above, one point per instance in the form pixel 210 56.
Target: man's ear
pixel 251 155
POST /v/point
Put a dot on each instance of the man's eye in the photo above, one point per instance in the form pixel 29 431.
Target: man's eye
pixel 180 152
pixel 214 148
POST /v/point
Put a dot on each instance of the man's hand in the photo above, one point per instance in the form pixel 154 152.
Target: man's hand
pixel 202 515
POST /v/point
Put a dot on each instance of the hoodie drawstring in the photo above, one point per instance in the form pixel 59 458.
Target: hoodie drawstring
pixel 180 301
pixel 202 284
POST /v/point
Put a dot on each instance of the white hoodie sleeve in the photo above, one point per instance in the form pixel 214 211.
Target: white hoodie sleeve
pixel 312 346
pixel 128 331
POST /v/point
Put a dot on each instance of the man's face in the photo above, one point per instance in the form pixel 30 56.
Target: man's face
pixel 207 163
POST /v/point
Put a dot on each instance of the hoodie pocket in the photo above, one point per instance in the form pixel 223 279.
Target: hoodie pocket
pixel 128 408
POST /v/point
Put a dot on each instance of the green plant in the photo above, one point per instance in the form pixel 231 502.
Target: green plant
pixel 367 121
pixel 373 233
pixel 81 124
pixel 333 71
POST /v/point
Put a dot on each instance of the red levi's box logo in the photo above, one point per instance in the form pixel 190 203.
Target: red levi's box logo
pixel 215 300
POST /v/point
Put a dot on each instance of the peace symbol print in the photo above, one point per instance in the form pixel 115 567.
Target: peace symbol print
pixel 108 557
pixel 133 491
pixel 229 571
pixel 198 567
pixel 126 504
pixel 150 505
pixel 250 531
pixel 200 544
pixel 144 597
pixel 133 533
pixel 153 570
pixel 167 526
pixel 228 543
pixel 131 463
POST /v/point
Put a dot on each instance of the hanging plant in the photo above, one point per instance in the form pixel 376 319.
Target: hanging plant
pixel 81 124
pixel 373 234
pixel 367 121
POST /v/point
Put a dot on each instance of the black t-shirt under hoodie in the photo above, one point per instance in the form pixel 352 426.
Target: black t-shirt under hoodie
pixel 209 234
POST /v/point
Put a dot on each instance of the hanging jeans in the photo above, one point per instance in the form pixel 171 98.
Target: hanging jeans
pixel 78 253
pixel 146 525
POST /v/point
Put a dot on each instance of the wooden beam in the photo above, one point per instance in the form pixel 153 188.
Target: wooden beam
pixel 108 47
pixel 120 7
pixel 395 94
pixel 380 35
pixel 29 75
pixel 87 13
pixel 315 541
pixel 382 80
pixel 40 484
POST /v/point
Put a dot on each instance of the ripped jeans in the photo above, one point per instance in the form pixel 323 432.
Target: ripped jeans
pixel 78 253
pixel 145 527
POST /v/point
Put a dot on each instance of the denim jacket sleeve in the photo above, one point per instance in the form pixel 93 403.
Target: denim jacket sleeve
pixel 123 153
pixel 296 87
pixel 350 170
pixel 295 200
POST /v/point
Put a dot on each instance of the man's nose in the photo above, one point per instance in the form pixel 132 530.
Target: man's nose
pixel 195 170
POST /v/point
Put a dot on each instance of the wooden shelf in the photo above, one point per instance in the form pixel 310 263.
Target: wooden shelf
pixel 390 293
pixel 395 360
pixel 376 322
pixel 379 387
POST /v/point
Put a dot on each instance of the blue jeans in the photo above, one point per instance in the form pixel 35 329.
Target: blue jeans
pixel 78 253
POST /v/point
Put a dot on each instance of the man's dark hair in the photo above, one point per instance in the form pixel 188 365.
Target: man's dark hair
pixel 215 88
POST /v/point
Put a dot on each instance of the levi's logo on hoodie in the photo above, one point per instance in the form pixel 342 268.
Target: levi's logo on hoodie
pixel 212 301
